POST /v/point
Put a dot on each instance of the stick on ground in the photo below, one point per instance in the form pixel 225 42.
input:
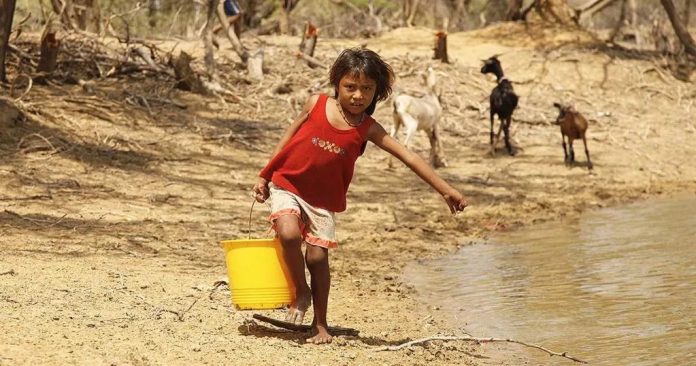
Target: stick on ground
pixel 305 328
pixel 478 340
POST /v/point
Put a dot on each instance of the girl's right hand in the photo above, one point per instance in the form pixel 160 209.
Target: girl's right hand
pixel 261 190
pixel 455 201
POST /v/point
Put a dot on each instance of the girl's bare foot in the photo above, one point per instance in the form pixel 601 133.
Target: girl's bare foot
pixel 321 335
pixel 296 312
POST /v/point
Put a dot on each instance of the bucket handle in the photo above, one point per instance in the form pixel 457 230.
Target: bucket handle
pixel 251 210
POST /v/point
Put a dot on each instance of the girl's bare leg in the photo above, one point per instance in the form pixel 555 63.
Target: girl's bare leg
pixel 318 264
pixel 288 229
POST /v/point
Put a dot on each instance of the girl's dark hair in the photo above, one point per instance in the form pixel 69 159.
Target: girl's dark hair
pixel 358 61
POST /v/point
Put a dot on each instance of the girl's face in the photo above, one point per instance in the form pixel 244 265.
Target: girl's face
pixel 355 93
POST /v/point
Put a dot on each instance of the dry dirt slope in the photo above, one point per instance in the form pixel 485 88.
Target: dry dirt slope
pixel 111 209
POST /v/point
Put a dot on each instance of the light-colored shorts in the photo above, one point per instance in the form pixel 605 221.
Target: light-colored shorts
pixel 318 225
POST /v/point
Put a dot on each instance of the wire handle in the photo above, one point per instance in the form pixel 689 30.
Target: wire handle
pixel 250 211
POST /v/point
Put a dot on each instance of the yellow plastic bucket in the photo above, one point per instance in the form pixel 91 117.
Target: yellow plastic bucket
pixel 258 277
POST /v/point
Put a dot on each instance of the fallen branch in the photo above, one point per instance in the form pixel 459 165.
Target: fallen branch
pixel 28 149
pixel 179 314
pixel 30 83
pixel 22 54
pixel 478 340
pixel 35 221
pixel 310 60
pixel 305 328
pixel 10 272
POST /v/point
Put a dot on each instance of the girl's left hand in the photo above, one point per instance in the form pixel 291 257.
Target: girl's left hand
pixel 455 201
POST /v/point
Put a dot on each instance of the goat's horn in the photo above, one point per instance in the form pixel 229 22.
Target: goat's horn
pixel 557 105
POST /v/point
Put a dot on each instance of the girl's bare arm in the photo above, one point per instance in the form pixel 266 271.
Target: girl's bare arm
pixel 379 137
pixel 260 189
pixel 295 125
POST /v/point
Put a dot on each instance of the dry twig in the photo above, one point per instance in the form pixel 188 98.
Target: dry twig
pixel 305 328
pixel 478 340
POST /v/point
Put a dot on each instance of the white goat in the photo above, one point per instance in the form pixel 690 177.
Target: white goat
pixel 421 114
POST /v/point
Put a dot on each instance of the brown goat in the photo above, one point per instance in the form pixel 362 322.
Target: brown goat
pixel 573 127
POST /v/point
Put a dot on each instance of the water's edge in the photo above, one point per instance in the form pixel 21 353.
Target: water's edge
pixel 560 284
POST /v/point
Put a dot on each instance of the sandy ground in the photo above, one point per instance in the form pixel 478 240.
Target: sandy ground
pixel 111 209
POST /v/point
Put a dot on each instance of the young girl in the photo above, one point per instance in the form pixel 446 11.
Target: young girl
pixel 311 167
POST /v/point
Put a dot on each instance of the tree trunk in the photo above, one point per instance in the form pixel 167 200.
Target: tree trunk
pixel 634 23
pixel 193 24
pixel 7 8
pixel 208 40
pixel 619 23
pixel 559 10
pixel 50 45
pixel 284 20
pixel 64 8
pixel 255 65
pixel 186 78
pixel 679 29
pixel 514 10
pixel 458 15
pixel 154 8
pixel 441 47
pixel 231 35
pixel 687 13
pixel 87 14
pixel 309 39
pixel 588 10
pixel 412 9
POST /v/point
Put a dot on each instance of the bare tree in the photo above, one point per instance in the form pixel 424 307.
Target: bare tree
pixel 50 45
pixel 410 7
pixel 620 22
pixel 231 35
pixel 64 8
pixel 79 14
pixel 309 39
pixel 88 14
pixel 557 10
pixel 459 13
pixel 687 13
pixel 284 20
pixel 679 28
pixel 7 8
pixel 590 8
pixel 514 10
pixel 208 40
pixel 154 8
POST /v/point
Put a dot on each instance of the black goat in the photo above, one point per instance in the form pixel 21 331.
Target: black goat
pixel 503 101
pixel 573 127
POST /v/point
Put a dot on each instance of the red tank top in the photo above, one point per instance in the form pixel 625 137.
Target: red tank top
pixel 317 163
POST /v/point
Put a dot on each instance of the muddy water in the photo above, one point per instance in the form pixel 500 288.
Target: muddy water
pixel 618 287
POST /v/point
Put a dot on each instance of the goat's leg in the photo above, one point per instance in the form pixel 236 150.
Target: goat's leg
pixel 587 153
pixel 440 150
pixel 436 154
pixel 394 131
pixel 565 150
pixel 492 122
pixel 571 152
pixel 497 138
pixel 410 130
pixel 395 126
pixel 411 125
pixel 506 130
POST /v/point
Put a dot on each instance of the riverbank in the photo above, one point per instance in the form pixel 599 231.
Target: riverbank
pixel 111 210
